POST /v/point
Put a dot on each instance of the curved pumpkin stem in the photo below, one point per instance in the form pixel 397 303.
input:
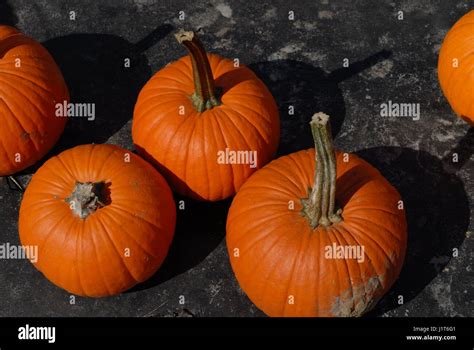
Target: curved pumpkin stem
pixel 205 92
pixel 320 207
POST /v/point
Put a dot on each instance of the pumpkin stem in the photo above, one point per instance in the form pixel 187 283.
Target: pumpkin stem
pixel 205 92
pixel 320 207
pixel 87 198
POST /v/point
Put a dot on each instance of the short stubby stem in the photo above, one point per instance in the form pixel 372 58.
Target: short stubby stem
pixel 320 207
pixel 205 93
pixel 87 198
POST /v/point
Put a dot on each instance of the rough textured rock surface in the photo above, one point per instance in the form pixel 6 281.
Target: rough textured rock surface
pixel 301 60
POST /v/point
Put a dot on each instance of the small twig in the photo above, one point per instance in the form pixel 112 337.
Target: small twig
pixel 153 312
pixel 18 185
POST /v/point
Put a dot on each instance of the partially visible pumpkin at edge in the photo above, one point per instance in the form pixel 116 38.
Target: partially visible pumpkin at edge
pixel 456 67
pixel 31 85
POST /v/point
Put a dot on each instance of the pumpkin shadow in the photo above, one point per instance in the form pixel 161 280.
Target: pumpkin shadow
pixel 93 66
pixel 308 89
pixel 7 15
pixel 437 211
pixel 95 69
pixel 200 227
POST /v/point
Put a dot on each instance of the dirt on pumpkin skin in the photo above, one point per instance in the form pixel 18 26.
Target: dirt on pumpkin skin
pixel 358 300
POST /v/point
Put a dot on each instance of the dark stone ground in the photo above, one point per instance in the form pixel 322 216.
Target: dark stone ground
pixel 301 61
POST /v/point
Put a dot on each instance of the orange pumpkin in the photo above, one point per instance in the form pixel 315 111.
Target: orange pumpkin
pixel 31 85
pixel 102 218
pixel 456 67
pixel 324 242
pixel 201 118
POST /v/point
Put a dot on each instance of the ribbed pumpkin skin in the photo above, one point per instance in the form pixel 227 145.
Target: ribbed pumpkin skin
pixel 88 256
pixel 185 147
pixel 28 96
pixel 458 83
pixel 281 259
